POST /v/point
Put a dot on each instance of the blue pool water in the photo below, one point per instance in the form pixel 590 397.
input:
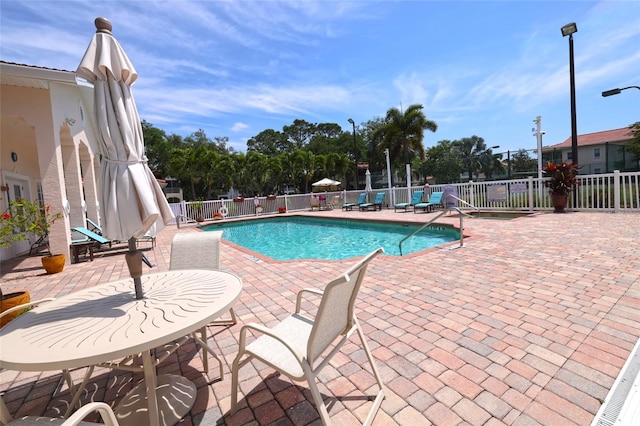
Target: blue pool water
pixel 331 239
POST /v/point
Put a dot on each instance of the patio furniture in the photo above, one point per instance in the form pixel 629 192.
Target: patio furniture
pixel 200 250
pixel 314 202
pixel 94 226
pixel 361 200
pixel 415 199
pixel 106 322
pixel 376 205
pixel 434 200
pixel 295 346
pixel 85 246
pixel 106 414
pixel 90 235
pixel 334 202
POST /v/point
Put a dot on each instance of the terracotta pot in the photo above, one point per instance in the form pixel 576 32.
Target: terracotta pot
pixel 9 301
pixel 559 202
pixel 53 264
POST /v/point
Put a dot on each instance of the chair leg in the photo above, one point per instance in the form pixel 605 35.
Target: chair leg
pixel 317 397
pixel 202 341
pixel 380 396
pixel 232 321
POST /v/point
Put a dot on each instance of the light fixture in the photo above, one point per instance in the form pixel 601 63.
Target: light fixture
pixel 616 91
pixel 70 121
pixel 569 29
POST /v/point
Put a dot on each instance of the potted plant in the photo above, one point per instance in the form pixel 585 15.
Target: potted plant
pixel 197 208
pixel 239 199
pixel 563 181
pixel 282 209
pixel 24 218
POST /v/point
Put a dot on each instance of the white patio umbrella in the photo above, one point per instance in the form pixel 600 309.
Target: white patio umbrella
pixel 326 182
pixel 130 197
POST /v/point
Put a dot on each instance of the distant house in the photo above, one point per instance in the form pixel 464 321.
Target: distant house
pixel 598 152
pixel 45 140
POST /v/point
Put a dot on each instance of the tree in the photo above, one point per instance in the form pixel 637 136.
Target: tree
pixel 403 133
pixel 269 142
pixel 634 146
pixel 521 162
pixel 443 162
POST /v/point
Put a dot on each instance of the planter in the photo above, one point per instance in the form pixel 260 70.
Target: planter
pixel 9 301
pixel 559 202
pixel 238 199
pixel 282 209
pixel 200 219
pixel 271 197
pixel 54 264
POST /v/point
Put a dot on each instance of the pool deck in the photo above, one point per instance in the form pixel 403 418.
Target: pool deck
pixel 530 322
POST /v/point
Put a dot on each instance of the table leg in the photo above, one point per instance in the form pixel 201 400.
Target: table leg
pixel 151 383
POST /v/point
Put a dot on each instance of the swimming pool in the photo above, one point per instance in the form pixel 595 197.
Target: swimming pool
pixel 292 238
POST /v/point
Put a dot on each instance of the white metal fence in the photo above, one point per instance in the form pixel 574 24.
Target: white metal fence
pixel 612 192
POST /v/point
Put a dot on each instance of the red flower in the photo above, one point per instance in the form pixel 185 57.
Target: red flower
pixel 6 216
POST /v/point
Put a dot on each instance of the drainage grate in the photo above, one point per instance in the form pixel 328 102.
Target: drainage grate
pixel 619 393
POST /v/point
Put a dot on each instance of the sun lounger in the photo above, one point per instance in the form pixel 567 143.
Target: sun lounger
pixel 434 201
pixel 94 226
pixel 361 200
pixel 376 205
pixel 416 198
pixel 90 235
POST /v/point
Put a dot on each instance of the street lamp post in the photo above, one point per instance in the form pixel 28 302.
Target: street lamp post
pixel 617 91
pixel 568 30
pixel 355 149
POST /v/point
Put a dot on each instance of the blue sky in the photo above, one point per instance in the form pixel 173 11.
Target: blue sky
pixel 236 68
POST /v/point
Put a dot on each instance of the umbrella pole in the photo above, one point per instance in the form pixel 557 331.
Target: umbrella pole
pixel 134 262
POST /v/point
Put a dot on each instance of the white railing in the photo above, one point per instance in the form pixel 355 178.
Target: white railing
pixel 612 192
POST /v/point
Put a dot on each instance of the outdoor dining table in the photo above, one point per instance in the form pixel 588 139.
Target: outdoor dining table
pixel 106 322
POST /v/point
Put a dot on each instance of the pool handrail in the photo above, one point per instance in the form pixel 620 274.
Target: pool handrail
pixel 460 213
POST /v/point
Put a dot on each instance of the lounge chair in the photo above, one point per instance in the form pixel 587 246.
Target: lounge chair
pixel 434 201
pixel 90 235
pixel 94 226
pixel 361 200
pixel 376 205
pixel 416 198
pixel 296 346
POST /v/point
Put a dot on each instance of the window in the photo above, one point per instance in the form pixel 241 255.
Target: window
pixel 596 152
pixel 569 155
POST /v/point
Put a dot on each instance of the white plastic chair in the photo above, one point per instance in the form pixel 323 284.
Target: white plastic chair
pixel 106 413
pixel 295 346
pixel 200 250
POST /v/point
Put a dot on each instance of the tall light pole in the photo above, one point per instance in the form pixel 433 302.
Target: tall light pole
pixel 568 30
pixel 538 134
pixel 617 91
pixel 355 149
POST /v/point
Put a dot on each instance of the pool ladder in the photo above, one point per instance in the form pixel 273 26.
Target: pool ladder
pixel 461 214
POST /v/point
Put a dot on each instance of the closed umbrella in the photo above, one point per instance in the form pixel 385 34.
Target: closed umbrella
pixel 367 185
pixel 130 197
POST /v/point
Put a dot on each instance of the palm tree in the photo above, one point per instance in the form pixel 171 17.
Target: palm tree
pixel 402 133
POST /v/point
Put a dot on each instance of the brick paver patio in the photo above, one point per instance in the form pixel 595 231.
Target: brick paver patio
pixel 529 323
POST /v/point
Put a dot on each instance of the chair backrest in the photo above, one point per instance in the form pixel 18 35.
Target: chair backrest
pixel 416 197
pixel 436 198
pixel 335 313
pixel 314 201
pixel 90 234
pixel 363 198
pixel 196 250
pixel 379 198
